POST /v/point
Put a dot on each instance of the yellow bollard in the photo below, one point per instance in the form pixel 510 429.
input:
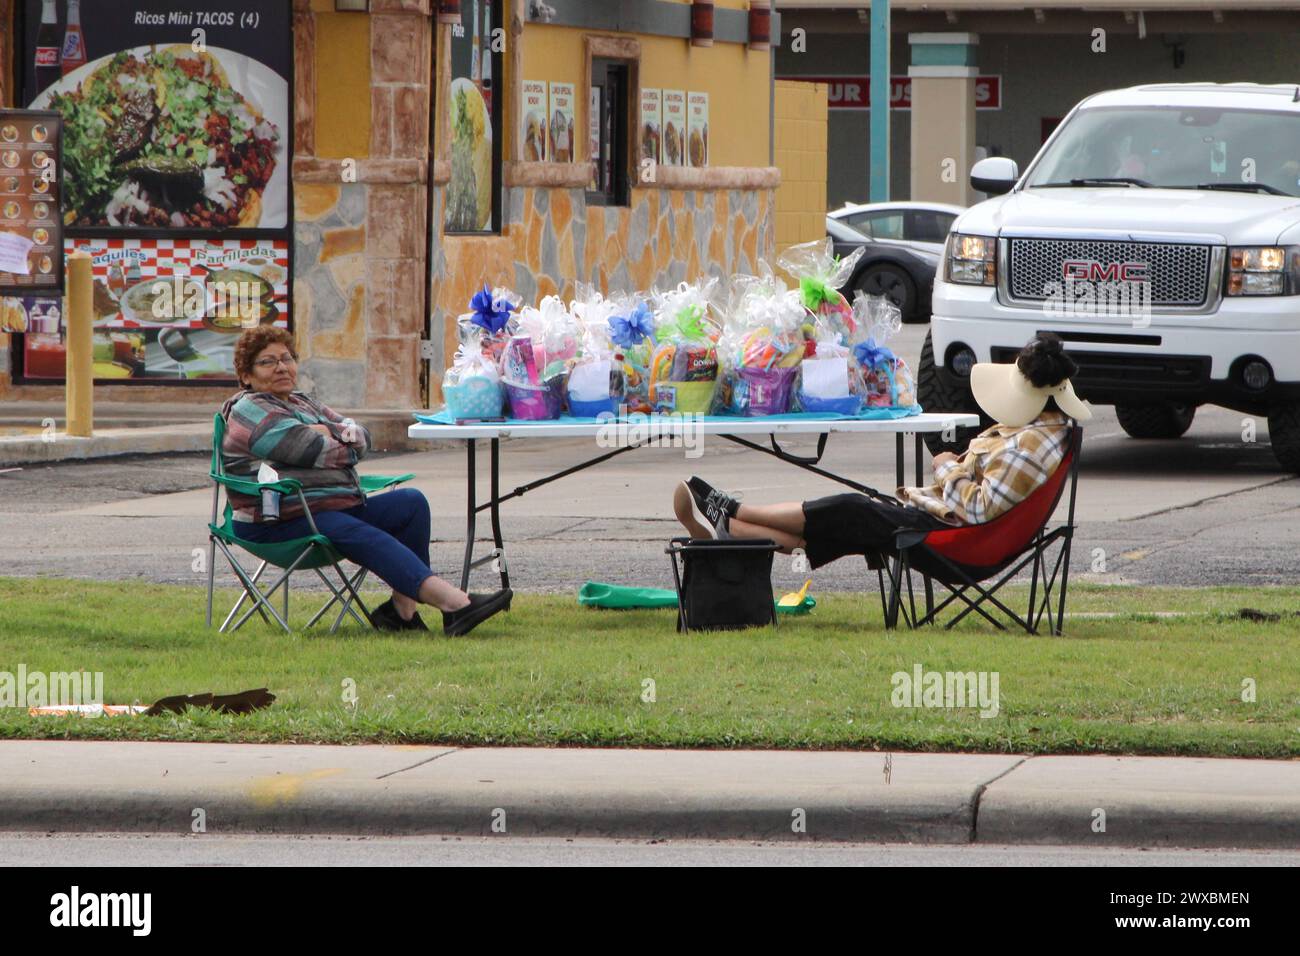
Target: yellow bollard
pixel 78 319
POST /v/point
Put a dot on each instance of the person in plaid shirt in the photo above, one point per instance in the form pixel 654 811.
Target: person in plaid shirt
pixel 1000 468
pixel 1031 399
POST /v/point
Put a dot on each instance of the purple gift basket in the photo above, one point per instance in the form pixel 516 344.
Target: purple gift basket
pixel 536 402
pixel 767 390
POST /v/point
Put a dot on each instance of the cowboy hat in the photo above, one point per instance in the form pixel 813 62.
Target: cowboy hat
pixel 1008 397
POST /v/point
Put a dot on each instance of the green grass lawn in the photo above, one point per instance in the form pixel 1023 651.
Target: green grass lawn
pixel 552 673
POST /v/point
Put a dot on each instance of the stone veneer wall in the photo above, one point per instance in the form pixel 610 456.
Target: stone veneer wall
pixel 552 237
pixel 359 291
pixel 360 230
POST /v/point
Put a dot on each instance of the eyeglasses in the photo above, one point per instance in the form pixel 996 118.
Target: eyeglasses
pixel 288 361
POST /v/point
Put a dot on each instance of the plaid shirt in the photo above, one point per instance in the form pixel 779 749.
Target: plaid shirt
pixel 262 427
pixel 1000 469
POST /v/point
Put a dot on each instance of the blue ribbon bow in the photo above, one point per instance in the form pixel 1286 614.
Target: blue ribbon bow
pixel 489 314
pixel 631 330
pixel 869 354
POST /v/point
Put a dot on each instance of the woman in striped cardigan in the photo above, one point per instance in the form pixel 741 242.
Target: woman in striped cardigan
pixel 302 439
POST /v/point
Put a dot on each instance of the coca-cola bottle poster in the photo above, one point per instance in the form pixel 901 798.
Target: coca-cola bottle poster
pixel 175 117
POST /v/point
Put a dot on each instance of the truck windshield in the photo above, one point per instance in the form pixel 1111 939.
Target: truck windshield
pixel 1175 148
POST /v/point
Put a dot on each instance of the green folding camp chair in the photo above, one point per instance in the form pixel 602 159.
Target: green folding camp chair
pixel 311 553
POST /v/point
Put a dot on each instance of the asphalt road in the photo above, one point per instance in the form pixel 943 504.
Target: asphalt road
pixel 120 850
pixel 1210 508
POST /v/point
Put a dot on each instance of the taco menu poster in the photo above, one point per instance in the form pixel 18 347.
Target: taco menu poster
pixel 674 141
pixel 562 131
pixel 533 118
pixel 176 115
pixel 651 124
pixel 697 129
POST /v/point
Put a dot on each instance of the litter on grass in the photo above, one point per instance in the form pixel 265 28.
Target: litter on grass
pixel 88 710
pixel 242 703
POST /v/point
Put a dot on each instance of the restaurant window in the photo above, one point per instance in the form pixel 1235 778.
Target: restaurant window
pixel 610 96
pixel 475 103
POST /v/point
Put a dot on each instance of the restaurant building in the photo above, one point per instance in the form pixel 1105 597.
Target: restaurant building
pixel 421 149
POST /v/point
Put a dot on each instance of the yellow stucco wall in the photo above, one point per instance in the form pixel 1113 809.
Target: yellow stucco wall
pixel 735 78
pixel 342 83
pixel 801 157
pixel 663 235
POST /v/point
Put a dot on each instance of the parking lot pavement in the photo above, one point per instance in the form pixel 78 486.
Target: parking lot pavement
pixel 1209 508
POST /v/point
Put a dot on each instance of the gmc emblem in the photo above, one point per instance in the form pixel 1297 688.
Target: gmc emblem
pixel 1090 270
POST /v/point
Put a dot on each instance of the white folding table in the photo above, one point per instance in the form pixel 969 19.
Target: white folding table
pixel 643 431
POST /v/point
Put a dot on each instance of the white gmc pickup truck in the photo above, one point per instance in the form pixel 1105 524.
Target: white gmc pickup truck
pixel 1158 233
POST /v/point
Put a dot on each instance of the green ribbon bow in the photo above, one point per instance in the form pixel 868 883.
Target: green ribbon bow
pixel 815 292
pixel 688 324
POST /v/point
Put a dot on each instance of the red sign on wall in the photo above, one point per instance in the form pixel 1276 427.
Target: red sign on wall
pixel 853 92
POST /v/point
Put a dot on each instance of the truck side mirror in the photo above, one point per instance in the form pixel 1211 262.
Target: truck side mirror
pixel 995 175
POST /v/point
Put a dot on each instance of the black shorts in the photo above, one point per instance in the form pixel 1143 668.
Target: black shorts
pixel 857 524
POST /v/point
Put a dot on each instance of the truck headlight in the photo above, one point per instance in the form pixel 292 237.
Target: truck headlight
pixel 1263 270
pixel 972 260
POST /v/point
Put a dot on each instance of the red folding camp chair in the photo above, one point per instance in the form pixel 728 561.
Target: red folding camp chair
pixel 961 559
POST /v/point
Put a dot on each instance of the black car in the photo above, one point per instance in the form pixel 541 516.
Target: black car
pixel 903 270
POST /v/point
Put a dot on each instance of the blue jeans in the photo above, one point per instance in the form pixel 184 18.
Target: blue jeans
pixel 388 534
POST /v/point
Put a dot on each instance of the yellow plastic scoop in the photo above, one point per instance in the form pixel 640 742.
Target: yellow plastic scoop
pixel 795 598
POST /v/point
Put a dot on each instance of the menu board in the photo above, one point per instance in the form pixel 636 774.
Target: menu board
pixel 533 119
pixel 674 146
pixel 175 117
pixel 697 129
pixel 562 131
pixel 164 309
pixel 651 124
pixel 174 172
pixel 31 229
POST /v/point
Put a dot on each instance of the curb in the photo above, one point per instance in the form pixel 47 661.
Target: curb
pixel 1147 801
pixel 388 433
pixel 648 794
pixel 167 439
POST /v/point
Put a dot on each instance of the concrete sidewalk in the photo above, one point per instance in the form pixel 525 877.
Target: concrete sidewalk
pixel 33 432
pixel 64 786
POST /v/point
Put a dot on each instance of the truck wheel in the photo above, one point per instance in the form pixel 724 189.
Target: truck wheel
pixel 1284 432
pixel 935 394
pixel 1158 420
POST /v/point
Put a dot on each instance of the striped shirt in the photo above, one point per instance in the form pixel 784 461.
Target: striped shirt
pixel 261 427
pixel 1001 468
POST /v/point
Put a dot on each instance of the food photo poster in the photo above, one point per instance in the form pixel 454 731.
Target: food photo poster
pixel 533 118
pixel 697 126
pixel 192 105
pixel 176 136
pixel 471 191
pixel 674 148
pixel 651 124
pixel 562 131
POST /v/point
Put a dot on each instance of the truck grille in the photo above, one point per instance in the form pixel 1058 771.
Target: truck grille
pixel 1179 273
